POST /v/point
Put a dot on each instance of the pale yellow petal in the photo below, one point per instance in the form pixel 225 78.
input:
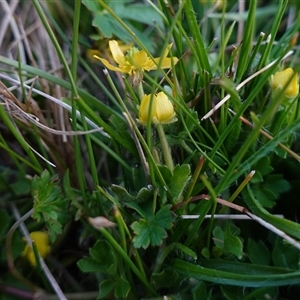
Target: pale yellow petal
pixel 41 241
pixel 116 52
pixel 167 50
pixel 164 109
pixel 166 63
pixel 292 89
pixel 141 60
pixel 108 65
pixel 280 79
pixel 144 109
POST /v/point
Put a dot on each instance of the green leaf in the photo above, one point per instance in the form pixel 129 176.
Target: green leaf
pixel 49 203
pixel 152 230
pixel 237 274
pixel 103 253
pixel 232 244
pixel 233 292
pixel 285 225
pixel 284 255
pixel 199 291
pixel 106 286
pixel 109 26
pixel 265 196
pixel 122 288
pixel 180 178
pixel 166 279
pixel 277 184
pixel 88 265
pixel 269 190
pixel 218 233
pixel 102 259
pixel 258 252
pixel 263 166
pixel 233 136
pixel 122 193
pixel 143 194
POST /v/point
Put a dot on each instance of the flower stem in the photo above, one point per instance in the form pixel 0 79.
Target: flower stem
pixel 140 91
pixel 165 147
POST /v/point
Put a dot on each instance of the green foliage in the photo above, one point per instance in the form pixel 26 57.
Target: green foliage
pixel 129 13
pixel 102 259
pixel 258 252
pixel 50 206
pixel 227 242
pixel 151 230
pixel 150 211
pixel 143 194
pixel 268 187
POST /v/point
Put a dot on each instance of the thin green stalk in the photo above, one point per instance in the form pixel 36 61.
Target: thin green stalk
pixel 145 144
pixel 194 179
pixel 108 149
pixel 271 38
pixel 247 42
pixel 201 57
pixel 16 158
pixel 12 129
pixel 119 250
pixel 56 45
pixel 247 102
pixel 165 147
pixel 255 51
pixel 122 226
pixel 122 222
pixel 213 198
pixel 74 97
pixel 248 142
pixel 241 186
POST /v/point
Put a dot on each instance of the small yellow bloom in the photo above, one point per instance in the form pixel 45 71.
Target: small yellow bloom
pixel 103 49
pixel 41 240
pixel 280 79
pixel 135 60
pixel 162 110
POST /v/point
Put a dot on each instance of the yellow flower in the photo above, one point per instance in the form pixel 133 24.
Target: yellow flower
pixel 103 49
pixel 135 60
pixel 280 80
pixel 41 240
pixel 162 110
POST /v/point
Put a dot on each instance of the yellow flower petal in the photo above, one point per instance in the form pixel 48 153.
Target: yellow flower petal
pixel 116 52
pixel 108 65
pixel 166 63
pixel 280 80
pixel 164 110
pixel 142 61
pixel 144 112
pixel 41 240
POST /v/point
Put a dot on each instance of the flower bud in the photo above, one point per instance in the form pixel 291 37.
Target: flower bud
pixel 101 222
pixel 282 78
pixel 162 110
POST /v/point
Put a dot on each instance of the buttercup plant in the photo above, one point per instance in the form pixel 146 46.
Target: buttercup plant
pixel 151 200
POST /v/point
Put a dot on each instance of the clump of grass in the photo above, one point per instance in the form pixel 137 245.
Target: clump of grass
pixel 156 146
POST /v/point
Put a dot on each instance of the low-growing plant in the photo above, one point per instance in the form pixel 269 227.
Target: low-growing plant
pixel 149 150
